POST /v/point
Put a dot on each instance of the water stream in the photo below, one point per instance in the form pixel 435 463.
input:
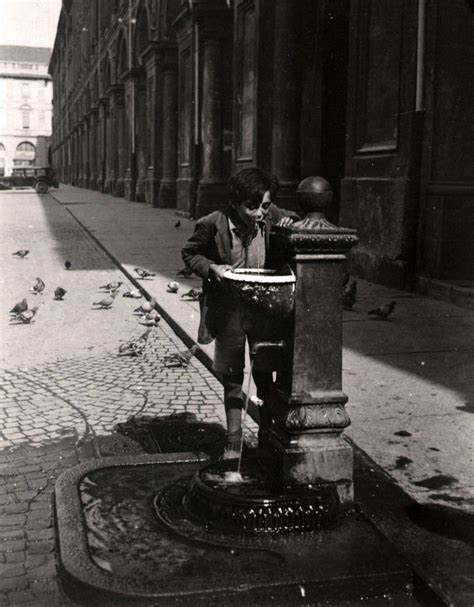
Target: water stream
pixel 244 419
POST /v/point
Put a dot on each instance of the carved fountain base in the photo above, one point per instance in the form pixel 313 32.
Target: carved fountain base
pixel 259 503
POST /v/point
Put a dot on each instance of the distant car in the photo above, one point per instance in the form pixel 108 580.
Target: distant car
pixel 40 178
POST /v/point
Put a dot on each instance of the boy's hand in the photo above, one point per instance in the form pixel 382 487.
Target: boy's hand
pixel 285 222
pixel 217 271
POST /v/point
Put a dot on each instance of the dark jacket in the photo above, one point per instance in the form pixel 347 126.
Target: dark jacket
pixel 211 243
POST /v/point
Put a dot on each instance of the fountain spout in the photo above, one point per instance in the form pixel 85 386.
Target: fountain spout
pixel 264 345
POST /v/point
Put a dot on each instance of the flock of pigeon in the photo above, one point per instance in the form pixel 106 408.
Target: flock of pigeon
pixel 149 316
pixel 349 298
pixel 21 313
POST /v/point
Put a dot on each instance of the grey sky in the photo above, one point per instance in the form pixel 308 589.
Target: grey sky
pixel 29 22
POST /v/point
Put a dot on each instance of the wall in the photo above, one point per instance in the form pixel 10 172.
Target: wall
pixel 447 240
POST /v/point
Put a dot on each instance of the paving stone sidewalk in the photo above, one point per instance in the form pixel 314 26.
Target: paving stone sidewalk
pixel 55 417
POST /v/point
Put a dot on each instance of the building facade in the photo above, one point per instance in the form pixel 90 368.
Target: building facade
pixel 160 100
pixel 25 107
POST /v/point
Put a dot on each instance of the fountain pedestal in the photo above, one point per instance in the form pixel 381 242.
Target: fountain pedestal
pixel 308 407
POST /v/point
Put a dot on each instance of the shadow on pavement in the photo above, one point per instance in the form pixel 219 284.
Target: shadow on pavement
pixel 176 433
pixel 445 521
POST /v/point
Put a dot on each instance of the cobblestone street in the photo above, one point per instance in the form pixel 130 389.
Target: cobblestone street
pixel 65 394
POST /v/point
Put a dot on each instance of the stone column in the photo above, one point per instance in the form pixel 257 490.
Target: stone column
pixel 83 152
pixel 211 118
pixel 93 149
pixel 154 119
pixel 97 146
pixel 87 159
pixel 111 148
pixel 212 185
pixel 75 161
pixel 130 180
pixel 117 151
pixel 102 143
pixel 286 94
pixel 308 406
pixel 69 156
pixel 142 134
pixel 78 152
pixel 167 195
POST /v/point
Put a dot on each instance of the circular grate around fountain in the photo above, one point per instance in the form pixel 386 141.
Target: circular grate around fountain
pixel 258 504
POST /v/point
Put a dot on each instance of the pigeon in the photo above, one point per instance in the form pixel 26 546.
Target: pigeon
pixel 38 287
pixel 180 359
pixel 185 273
pixel 106 303
pixel 18 308
pixel 22 253
pixel 349 295
pixel 177 224
pixel 134 347
pixel 146 307
pixel 67 264
pixel 59 293
pixel 143 273
pixel 193 294
pixel 27 316
pixel 135 294
pixel 112 286
pixel 383 312
pixel 173 286
pixel 151 319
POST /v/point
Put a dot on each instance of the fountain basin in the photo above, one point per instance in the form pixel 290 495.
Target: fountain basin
pixel 266 291
pixel 117 551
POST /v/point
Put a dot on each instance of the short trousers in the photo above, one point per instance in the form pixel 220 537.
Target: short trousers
pixel 229 351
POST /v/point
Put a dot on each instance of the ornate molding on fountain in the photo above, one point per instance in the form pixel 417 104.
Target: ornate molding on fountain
pixel 314 234
pixel 294 241
pixel 316 417
pixel 260 504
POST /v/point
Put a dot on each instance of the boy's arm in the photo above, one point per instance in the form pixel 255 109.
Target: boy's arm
pixel 198 246
pixel 276 214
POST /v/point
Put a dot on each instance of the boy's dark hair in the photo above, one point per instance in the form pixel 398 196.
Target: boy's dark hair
pixel 251 184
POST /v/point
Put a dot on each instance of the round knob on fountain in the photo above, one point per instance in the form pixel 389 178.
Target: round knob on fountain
pixel 314 195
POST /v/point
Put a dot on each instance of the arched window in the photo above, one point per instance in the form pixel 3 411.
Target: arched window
pixel 26 147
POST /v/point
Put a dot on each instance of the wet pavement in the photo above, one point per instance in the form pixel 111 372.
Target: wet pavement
pixel 65 395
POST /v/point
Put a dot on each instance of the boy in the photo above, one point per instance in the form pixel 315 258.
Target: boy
pixel 223 240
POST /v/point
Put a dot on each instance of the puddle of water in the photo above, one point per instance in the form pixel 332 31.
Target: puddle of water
pixel 402 462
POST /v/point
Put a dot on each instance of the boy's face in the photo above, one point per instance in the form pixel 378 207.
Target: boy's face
pixel 249 213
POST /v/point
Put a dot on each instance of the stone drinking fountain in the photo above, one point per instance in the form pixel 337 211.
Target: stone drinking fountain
pixel 166 529
pixel 302 476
